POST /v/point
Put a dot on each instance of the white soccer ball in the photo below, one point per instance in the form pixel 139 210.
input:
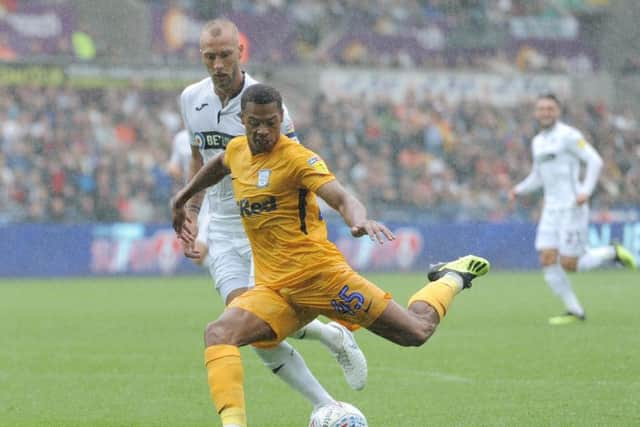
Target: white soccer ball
pixel 337 414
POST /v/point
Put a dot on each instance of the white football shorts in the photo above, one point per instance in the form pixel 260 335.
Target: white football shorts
pixel 203 221
pixel 564 229
pixel 231 265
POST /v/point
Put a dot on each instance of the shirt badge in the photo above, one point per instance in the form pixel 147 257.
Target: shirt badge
pixel 263 177
pixel 317 163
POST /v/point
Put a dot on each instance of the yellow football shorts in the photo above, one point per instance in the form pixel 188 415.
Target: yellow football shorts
pixel 339 294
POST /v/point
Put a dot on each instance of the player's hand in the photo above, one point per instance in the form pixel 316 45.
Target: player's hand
pixel 581 199
pixel 190 251
pixel 179 219
pixel 512 195
pixel 373 229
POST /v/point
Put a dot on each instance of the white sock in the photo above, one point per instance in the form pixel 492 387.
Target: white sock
pixel 319 331
pixel 286 363
pixel 596 257
pixel 457 279
pixel 559 283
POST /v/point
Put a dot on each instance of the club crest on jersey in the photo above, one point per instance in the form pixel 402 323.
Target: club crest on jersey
pixel 263 177
pixel 318 164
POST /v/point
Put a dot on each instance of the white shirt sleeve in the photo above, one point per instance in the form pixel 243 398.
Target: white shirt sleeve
pixel 579 147
pixel 183 112
pixel 175 152
pixel 532 182
pixel 287 125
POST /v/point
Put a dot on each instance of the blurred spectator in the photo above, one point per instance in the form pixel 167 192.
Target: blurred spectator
pixel 84 47
pixel 631 65
pixel 7 53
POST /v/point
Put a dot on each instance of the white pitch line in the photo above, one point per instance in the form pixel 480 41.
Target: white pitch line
pixel 442 376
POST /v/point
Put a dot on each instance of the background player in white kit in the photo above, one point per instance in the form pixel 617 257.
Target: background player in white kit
pixel 179 167
pixel 562 234
pixel 210 110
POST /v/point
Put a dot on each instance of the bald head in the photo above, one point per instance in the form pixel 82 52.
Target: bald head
pixel 221 51
pixel 220 28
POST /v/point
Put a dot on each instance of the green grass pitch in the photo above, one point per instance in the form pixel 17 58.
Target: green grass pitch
pixel 128 352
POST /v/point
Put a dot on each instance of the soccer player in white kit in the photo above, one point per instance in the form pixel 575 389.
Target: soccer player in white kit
pixel 179 167
pixel 210 110
pixel 562 233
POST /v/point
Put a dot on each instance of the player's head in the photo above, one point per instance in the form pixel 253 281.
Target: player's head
pixel 262 117
pixel 220 50
pixel 547 110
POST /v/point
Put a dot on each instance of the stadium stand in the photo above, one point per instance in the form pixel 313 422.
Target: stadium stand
pixel 105 161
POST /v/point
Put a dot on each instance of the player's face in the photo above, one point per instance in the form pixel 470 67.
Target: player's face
pixel 547 112
pixel 262 123
pixel 221 56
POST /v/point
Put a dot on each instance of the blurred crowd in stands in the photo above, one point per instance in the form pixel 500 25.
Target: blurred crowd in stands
pixel 74 156
pixel 70 155
pixel 410 33
pixel 480 34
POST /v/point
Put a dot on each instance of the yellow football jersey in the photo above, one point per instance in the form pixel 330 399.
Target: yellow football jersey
pixel 275 195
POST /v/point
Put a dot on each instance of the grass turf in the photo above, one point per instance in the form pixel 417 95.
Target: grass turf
pixel 128 352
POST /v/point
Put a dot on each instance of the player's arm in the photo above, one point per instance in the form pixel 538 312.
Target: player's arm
pixel 196 165
pixel 287 127
pixel 353 212
pixel 531 183
pixel 210 174
pixel 593 166
pixel 173 165
pixel 196 157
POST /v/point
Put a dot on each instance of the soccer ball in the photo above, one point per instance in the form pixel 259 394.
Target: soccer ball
pixel 338 414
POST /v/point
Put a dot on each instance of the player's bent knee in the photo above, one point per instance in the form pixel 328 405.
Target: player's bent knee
pixel 548 257
pixel 239 327
pixel 215 334
pixel 569 263
pixel 219 333
pixel 418 336
pixel 405 328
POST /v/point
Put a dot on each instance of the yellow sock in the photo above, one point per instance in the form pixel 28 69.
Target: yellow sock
pixel 438 294
pixel 224 373
pixel 233 417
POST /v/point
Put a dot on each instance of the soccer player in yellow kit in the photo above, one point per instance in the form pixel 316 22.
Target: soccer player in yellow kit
pixel 299 273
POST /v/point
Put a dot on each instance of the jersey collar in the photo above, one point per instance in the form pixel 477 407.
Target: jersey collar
pixel 232 97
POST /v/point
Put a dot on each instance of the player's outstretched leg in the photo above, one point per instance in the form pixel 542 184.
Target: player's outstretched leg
pixel 557 279
pixel 468 267
pixel 448 279
pixel 625 257
pixel 602 257
pixel 427 307
pixel 350 357
pixel 286 363
pixel 342 344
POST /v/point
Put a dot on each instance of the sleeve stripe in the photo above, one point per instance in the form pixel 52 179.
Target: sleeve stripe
pixel 302 209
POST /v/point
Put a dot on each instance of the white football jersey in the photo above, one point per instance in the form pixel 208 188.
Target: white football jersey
pixel 181 154
pixel 557 156
pixel 211 127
